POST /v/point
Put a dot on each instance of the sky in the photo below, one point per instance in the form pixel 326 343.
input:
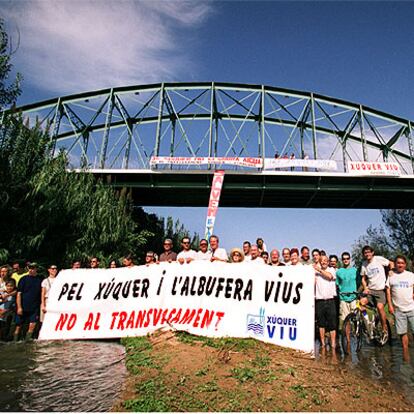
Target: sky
pixel 357 51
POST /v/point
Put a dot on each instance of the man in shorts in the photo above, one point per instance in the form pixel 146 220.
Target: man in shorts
pixel 374 282
pixel 402 306
pixel 347 282
pixel 325 292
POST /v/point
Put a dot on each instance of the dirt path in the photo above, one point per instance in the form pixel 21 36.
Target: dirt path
pixel 187 373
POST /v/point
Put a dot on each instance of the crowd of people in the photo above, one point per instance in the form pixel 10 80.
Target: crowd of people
pixel 24 293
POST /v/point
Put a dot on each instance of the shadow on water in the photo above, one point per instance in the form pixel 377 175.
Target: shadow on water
pixel 61 375
pixel 384 364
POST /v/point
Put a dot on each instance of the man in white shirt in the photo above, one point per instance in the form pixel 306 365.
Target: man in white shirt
pixel 325 307
pixel 218 253
pixel 402 306
pixel 204 253
pixel 255 255
pixel 246 250
pixel 187 254
pixel 374 282
pixel 286 255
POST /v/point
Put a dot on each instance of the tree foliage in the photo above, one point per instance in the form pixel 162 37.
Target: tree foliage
pixel 55 215
pixel 8 91
pixel 395 236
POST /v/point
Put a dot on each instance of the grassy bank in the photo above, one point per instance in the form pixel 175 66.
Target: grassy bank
pixel 181 372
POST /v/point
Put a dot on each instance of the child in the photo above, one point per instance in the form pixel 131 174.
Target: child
pixel 7 309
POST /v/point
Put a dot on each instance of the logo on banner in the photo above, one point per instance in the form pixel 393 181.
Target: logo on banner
pixel 256 323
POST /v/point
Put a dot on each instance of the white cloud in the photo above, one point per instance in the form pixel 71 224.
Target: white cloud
pixel 73 46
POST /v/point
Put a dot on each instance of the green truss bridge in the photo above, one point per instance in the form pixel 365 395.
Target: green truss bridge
pixel 115 133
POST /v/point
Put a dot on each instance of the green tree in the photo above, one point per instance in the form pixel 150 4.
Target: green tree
pixel 176 231
pixel 50 214
pixel 8 91
pixel 394 236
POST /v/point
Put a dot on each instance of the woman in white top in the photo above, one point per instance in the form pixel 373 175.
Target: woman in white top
pixel 46 285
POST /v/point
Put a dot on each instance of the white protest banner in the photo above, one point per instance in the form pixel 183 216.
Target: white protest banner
pixel 374 168
pixel 251 162
pixel 213 203
pixel 271 304
pixel 275 163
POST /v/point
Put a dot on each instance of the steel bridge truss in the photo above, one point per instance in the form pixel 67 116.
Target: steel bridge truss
pixel 122 128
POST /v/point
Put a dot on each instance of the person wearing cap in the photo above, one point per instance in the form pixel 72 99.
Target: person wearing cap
pixel 204 253
pixel 168 255
pixel 46 285
pixel 28 301
pixel 236 255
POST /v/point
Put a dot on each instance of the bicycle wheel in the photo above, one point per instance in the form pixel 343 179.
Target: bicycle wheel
pixel 378 332
pixel 351 334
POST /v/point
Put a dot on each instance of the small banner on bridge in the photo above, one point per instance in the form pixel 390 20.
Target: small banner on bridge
pixel 276 163
pixel 213 203
pixel 271 304
pixel 374 168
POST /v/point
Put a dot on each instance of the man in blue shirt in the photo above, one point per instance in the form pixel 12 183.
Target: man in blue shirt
pixel 28 301
pixel 347 281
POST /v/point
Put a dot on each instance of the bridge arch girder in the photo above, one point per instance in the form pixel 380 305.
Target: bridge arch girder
pixel 125 126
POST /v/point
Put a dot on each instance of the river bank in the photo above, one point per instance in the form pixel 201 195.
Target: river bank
pixel 181 372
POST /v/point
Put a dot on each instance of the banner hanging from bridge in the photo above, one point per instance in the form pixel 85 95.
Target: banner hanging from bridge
pixel 374 168
pixel 213 203
pixel 250 162
pixel 275 163
pixel 271 304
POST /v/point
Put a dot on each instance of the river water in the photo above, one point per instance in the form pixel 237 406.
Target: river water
pixel 61 375
pixel 89 375
pixel 382 364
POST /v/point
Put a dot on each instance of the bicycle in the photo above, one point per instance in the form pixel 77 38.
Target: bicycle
pixel 358 327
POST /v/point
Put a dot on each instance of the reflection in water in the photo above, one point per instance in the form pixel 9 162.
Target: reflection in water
pixel 89 375
pixel 61 376
pixel 385 364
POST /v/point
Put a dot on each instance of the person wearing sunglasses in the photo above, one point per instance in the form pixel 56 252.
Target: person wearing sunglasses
pixel 150 258
pixel 204 253
pixel 46 285
pixel 94 263
pixel 168 255
pixel 186 255
pixel 346 280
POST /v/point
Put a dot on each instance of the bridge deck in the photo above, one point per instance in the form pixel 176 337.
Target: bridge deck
pixel 264 189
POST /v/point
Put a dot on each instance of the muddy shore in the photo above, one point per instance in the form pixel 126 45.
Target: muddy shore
pixel 181 372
